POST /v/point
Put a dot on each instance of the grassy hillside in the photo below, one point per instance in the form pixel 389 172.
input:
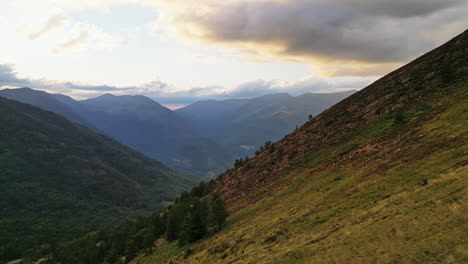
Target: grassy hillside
pixel 59 180
pixel 378 178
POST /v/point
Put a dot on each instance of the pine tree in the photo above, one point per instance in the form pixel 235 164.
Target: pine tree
pixel 158 226
pixel 185 230
pixel 199 220
pixel 130 249
pixel 219 212
pixel 174 220
pixel 112 255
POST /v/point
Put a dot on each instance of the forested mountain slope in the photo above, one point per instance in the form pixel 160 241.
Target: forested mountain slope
pixel 59 180
pixel 378 178
pixel 145 125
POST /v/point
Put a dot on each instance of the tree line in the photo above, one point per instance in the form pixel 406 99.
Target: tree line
pixel 193 216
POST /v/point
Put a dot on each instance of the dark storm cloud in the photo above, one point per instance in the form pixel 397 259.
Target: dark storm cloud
pixel 401 8
pixel 354 30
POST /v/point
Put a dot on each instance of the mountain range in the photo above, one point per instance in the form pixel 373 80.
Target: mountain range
pixel 137 122
pixel 201 139
pixel 241 126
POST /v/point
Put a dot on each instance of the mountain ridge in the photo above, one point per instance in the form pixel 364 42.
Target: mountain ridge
pixel 42 100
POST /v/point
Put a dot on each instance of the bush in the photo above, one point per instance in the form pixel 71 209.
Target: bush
pixel 188 253
pixel 399 118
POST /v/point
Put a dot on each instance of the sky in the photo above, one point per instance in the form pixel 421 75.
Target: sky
pixel 181 51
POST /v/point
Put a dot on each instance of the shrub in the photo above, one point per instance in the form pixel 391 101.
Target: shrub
pixel 399 118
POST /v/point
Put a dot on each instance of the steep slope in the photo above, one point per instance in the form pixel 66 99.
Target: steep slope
pixel 378 178
pixel 59 180
pixel 146 126
pixel 273 122
pixel 242 125
pixel 45 101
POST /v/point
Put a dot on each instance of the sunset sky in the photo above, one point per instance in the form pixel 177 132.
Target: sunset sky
pixel 177 52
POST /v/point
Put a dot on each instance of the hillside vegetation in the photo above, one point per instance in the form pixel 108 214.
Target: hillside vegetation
pixel 59 180
pixel 378 178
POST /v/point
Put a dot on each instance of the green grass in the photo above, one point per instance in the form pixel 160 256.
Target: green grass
pixel 404 203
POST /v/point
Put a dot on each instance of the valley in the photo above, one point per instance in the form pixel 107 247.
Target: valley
pixel 232 132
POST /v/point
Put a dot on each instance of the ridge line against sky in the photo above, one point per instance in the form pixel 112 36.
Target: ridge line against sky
pixel 178 52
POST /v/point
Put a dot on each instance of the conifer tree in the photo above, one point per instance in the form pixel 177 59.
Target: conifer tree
pixel 199 220
pixel 219 212
pixel 185 230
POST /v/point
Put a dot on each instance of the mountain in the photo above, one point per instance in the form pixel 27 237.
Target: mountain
pixel 59 180
pixel 242 125
pixel 146 126
pixel 139 123
pixel 45 101
pixel 378 178
pixel 210 117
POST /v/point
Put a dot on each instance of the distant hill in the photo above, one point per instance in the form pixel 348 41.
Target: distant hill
pixel 242 125
pixel 144 125
pixel 45 101
pixel 139 123
pixel 380 177
pixel 59 180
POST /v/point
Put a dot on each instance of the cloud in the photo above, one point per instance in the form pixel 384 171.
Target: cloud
pixel 8 76
pixel 53 30
pixel 314 31
pixel 156 84
pixel 54 21
pixel 338 32
pixel 401 8
pixel 81 38
pixel 167 93
pixel 99 88
pixel 260 87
